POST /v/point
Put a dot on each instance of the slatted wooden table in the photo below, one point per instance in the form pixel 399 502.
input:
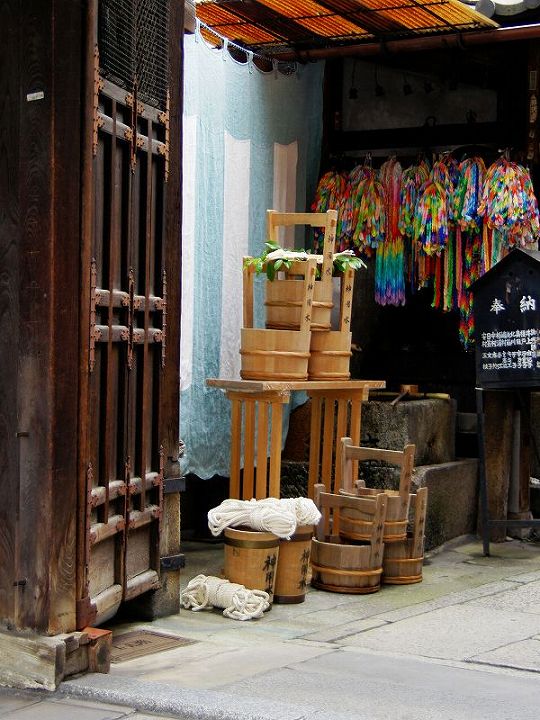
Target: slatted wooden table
pixel 256 419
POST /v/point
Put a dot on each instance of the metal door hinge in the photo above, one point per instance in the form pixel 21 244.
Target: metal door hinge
pixel 174 485
pixel 173 562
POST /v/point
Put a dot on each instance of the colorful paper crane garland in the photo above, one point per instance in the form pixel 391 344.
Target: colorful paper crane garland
pixel 443 226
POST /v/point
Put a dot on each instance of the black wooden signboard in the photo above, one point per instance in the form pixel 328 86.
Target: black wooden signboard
pixel 507 322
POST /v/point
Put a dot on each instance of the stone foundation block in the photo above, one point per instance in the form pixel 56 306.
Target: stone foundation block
pixel 430 424
pixel 452 499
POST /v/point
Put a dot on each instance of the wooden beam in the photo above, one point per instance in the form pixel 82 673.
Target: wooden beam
pixel 10 221
pixel 426 136
pixel 31 661
pixel 446 41
pixel 38 662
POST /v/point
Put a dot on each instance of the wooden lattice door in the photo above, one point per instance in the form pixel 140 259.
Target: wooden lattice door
pixel 123 451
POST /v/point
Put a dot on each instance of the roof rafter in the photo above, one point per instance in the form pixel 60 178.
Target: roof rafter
pixel 318 24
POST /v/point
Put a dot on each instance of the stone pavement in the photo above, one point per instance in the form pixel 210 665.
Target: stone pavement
pixel 472 624
pixel 21 705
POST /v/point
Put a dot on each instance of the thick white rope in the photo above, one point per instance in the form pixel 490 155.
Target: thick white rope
pixel 238 602
pixel 305 509
pixel 272 515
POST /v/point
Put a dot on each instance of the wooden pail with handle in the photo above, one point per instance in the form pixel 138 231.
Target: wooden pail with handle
pixel 344 568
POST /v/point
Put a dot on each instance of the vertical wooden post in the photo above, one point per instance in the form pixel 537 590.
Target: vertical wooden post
pixel 13 436
pixel 261 490
pixel 85 273
pixel 314 443
pixel 236 446
pixel 249 450
pixel 498 436
pixel 48 70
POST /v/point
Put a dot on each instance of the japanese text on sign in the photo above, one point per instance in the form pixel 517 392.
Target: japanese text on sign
pixel 496 354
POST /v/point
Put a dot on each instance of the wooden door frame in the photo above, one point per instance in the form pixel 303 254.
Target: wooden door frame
pixel 165 600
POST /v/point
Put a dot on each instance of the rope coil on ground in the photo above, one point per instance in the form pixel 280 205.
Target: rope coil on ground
pixel 239 603
pixel 279 517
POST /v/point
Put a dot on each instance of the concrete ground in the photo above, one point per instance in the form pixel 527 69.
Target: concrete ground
pixel 463 644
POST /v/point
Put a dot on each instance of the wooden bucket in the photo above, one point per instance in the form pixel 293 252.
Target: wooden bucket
pixel 285 294
pixel 356 527
pixel 251 559
pixel 274 354
pixel 400 567
pixel 293 566
pixel 284 299
pixel 403 560
pixel 330 354
pixel 331 350
pixel 343 568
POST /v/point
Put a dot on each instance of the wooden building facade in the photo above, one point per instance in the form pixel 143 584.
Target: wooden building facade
pixel 90 205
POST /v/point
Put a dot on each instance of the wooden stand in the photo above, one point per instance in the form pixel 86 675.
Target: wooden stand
pixel 336 412
pixel 256 413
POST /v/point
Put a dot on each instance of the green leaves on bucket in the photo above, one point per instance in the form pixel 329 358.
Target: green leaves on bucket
pixel 275 258
pixel 272 259
pixel 347 260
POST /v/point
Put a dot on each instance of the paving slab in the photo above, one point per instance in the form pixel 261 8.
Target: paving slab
pixel 524 598
pixel 344 631
pixel 523 655
pixel 453 598
pixel 51 710
pixel 361 686
pixel 10 702
pixel 525 577
pixel 126 709
pixel 145 716
pixel 510 552
pixel 211 665
pixel 457 632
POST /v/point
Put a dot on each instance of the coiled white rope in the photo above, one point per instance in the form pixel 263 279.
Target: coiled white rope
pixel 279 517
pixel 239 603
pixel 305 509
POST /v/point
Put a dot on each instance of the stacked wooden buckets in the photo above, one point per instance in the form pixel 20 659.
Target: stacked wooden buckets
pixel 369 535
pixel 298 342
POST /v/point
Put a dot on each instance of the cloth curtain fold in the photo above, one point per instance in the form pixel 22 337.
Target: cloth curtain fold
pixel 251 141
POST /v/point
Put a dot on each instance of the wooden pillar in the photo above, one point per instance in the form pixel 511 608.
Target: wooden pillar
pixel 40 150
pixel 10 219
pixel 498 408
pixel 519 503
